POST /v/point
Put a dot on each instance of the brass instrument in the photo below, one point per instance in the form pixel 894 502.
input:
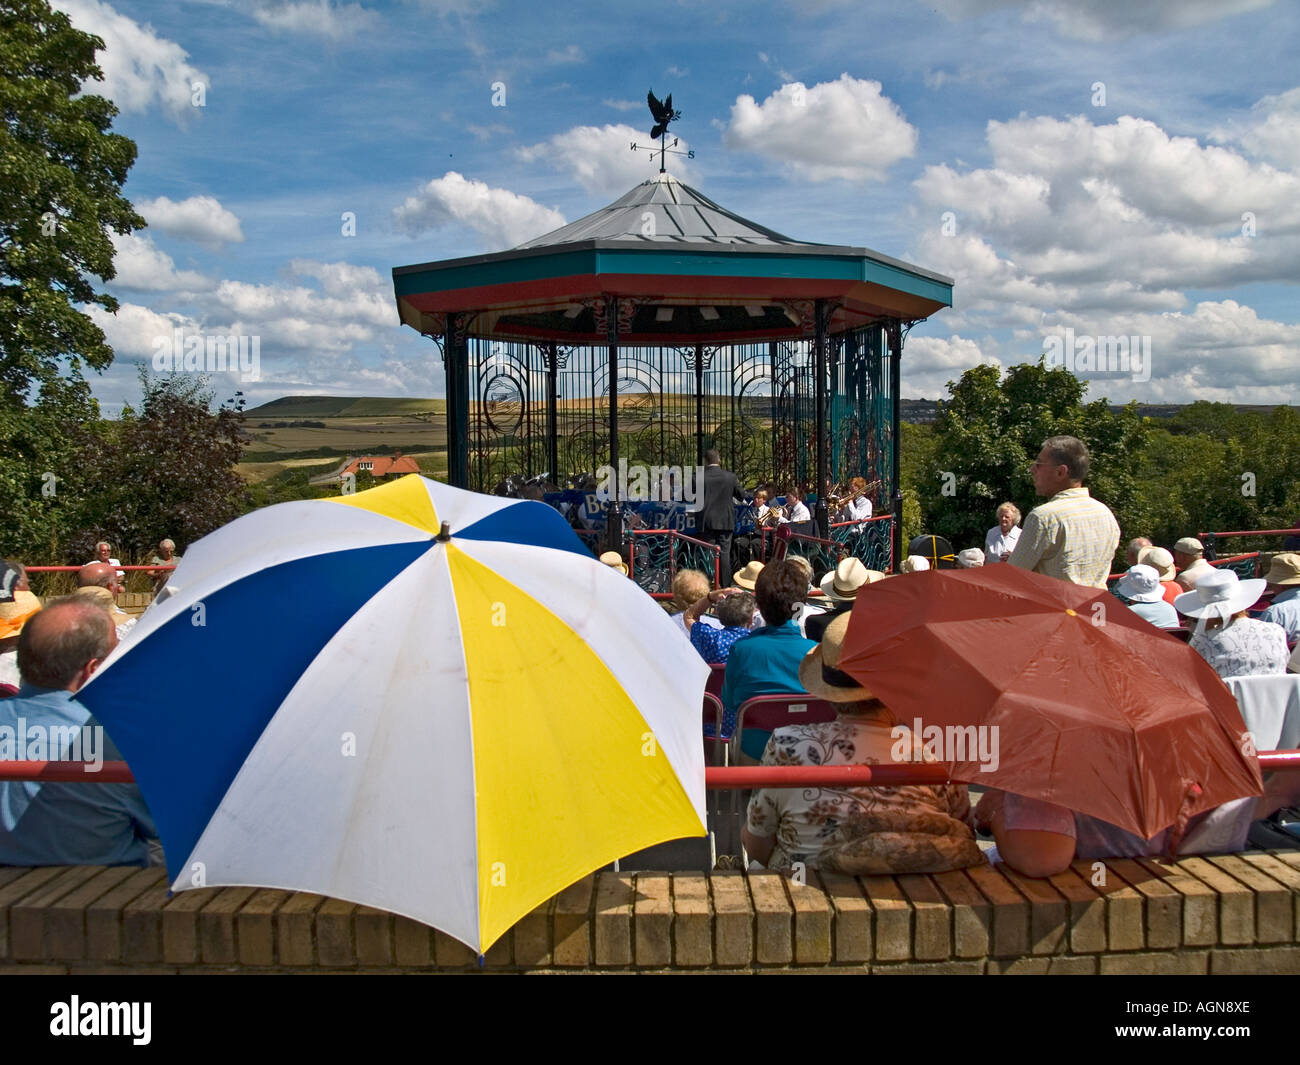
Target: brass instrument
pixel 840 504
pixel 775 512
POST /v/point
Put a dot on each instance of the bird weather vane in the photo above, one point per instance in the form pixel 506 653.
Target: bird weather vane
pixel 663 113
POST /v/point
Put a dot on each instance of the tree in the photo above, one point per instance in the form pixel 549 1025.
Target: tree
pixel 987 434
pixel 168 471
pixel 61 173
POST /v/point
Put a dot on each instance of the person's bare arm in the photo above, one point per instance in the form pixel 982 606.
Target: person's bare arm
pixel 759 848
pixel 697 609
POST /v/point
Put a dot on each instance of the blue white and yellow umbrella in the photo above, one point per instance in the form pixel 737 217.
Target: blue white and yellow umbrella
pixel 419 698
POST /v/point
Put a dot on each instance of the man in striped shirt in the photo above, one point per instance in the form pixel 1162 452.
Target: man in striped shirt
pixel 1071 536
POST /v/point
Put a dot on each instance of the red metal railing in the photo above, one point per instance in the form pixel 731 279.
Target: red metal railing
pixel 78 569
pixel 1210 539
pixel 720 778
pixel 1217 562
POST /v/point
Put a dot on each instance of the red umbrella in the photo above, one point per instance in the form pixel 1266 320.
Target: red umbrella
pixel 1084 703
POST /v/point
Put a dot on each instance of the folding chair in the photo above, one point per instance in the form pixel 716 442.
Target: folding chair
pixel 714 741
pixel 717 670
pixel 769 712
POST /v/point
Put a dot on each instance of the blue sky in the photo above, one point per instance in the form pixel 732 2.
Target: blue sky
pixel 1115 169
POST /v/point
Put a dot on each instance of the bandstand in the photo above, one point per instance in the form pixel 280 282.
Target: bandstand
pixel 662 325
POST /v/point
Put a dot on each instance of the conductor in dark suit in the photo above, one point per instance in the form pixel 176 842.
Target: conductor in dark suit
pixel 717 519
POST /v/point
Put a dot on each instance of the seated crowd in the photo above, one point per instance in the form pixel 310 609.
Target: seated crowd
pixel 917 829
pixel 777 631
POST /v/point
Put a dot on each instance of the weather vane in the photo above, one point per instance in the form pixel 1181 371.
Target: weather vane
pixel 663 113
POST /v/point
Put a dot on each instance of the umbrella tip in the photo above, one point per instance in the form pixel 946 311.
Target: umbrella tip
pixel 444 534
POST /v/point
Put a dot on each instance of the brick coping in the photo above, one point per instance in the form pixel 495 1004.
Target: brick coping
pixel 1230 914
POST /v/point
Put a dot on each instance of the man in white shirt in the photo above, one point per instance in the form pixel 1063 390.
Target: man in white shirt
pixel 103 550
pixel 795 510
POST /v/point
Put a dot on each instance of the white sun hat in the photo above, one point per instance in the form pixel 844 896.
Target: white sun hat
pixel 1141 584
pixel 1219 594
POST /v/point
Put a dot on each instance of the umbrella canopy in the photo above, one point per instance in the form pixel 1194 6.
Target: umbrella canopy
pixel 1095 709
pixel 334 699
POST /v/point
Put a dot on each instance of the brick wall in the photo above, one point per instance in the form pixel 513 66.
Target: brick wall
pixel 1200 915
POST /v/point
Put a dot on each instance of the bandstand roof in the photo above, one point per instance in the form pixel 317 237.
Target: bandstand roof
pixel 685 269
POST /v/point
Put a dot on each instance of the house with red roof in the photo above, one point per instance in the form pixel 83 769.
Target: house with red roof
pixel 378 466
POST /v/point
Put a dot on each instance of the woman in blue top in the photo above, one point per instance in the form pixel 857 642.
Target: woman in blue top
pixel 767 661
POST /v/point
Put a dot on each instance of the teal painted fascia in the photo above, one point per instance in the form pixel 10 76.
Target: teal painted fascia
pixel 671 264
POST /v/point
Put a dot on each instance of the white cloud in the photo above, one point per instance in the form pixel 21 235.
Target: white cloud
pixel 929 362
pixel 600 159
pixel 133 330
pixel 570 54
pixel 501 217
pixel 1075 215
pixel 624 105
pixel 199 218
pixel 321 18
pixel 140 68
pixel 142 266
pixel 1095 20
pixel 1272 132
pixel 845 129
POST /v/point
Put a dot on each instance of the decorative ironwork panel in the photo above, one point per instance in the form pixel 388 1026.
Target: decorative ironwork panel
pixel 756 404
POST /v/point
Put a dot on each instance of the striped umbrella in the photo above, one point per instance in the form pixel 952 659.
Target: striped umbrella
pixel 418 698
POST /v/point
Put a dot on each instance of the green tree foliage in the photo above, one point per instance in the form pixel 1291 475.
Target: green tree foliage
pixel 61 173
pixel 167 471
pixel 993 426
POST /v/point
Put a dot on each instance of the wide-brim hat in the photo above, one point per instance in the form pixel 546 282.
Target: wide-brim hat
pixel 1159 560
pixel 842 583
pixel 14 615
pixel 1141 584
pixel 746 578
pixel 818 673
pixel 614 560
pixel 1219 594
pixel 1284 569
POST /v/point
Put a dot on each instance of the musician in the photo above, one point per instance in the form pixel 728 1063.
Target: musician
pixel 858 506
pixel 795 509
pixel 765 513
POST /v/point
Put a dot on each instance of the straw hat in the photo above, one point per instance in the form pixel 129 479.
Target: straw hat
pixel 14 615
pixel 818 672
pixel 843 582
pixel 614 560
pixel 1218 594
pixel 746 578
pixel 1159 560
pixel 1141 584
pixel 1284 569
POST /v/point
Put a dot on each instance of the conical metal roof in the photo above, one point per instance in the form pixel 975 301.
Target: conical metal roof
pixel 681 215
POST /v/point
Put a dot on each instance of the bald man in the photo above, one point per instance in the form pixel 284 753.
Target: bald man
pixel 60 649
pixel 98 583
